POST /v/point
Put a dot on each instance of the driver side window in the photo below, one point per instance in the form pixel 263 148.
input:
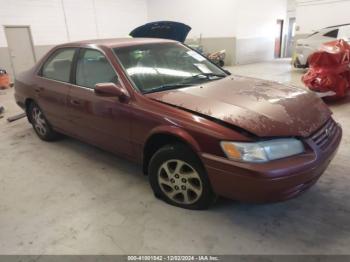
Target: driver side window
pixel 94 68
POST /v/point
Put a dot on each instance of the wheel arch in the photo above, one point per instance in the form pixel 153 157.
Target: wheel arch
pixel 164 136
pixel 27 103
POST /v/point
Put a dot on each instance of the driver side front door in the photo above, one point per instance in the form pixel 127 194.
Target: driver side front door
pixel 101 121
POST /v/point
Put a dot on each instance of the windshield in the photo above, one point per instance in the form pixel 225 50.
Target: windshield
pixel 311 35
pixel 158 67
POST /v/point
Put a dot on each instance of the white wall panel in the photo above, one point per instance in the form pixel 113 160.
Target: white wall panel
pixel 221 18
pixel 251 22
pixel 256 29
pixel 116 18
pixel 258 18
pixel 316 14
pixel 45 18
pixel 80 17
pixel 207 17
pixel 57 21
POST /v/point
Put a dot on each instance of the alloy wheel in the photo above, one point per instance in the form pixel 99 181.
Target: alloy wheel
pixel 180 182
pixel 39 121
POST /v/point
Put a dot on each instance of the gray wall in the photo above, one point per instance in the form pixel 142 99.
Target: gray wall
pixel 213 44
pixel 239 51
pixel 251 50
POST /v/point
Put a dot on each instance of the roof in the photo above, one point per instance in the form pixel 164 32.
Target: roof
pixel 118 42
pixel 333 26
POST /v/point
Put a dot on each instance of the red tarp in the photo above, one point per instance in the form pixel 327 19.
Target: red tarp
pixel 329 69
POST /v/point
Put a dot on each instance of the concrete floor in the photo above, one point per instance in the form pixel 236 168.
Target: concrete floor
pixel 71 198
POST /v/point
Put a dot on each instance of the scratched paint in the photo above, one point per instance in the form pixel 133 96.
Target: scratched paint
pixel 262 107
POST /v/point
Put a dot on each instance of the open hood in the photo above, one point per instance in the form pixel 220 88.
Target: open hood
pixel 163 29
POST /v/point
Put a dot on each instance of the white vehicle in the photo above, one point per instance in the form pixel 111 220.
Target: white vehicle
pixel 305 47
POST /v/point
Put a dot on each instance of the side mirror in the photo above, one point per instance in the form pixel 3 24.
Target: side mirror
pixel 111 90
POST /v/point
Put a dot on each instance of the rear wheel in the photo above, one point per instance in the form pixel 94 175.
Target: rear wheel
pixel 178 177
pixel 40 124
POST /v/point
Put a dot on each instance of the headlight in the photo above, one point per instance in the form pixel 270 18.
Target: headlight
pixel 263 151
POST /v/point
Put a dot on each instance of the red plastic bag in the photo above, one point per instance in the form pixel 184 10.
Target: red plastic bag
pixel 329 69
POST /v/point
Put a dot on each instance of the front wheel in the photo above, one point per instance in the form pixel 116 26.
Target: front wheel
pixel 178 177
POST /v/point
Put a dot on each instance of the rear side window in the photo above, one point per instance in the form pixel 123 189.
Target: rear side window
pixel 58 66
pixel 332 34
pixel 93 68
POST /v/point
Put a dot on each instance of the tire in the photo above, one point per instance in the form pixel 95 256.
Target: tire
pixel 40 124
pixel 177 176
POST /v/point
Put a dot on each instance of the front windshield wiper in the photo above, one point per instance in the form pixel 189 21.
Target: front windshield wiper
pixel 166 87
pixel 209 75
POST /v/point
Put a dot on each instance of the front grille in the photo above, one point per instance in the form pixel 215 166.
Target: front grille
pixel 323 137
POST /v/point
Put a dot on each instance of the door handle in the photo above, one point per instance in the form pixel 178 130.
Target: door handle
pixel 38 89
pixel 75 102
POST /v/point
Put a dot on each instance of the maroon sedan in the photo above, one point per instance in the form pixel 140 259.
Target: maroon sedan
pixel 198 131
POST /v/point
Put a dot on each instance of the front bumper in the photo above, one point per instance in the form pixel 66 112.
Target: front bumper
pixel 277 180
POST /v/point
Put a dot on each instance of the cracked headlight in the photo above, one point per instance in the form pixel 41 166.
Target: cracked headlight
pixel 263 151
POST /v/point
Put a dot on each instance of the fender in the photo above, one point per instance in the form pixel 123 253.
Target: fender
pixel 177 132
